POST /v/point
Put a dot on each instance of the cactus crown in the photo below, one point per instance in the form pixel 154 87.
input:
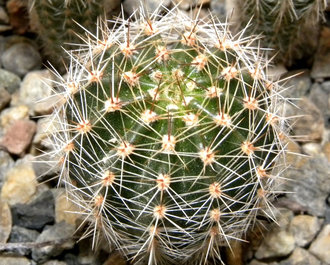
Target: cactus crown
pixel 169 136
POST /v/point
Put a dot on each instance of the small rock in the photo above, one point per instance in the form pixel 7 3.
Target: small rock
pixel 54 262
pixel 300 256
pixel 304 228
pixel 6 162
pixel 257 262
pixel 20 184
pixel 310 124
pixel 20 58
pixel 321 245
pixel 5 222
pixel 219 8
pixel 12 260
pixel 311 149
pixel 297 84
pixel 4 98
pixel 18 136
pixel 36 214
pixel 309 186
pixel 320 98
pixel 10 115
pixel 279 241
pixel 36 91
pixel 61 233
pixel 22 235
pixel 131 5
pixel 10 81
pixel 64 208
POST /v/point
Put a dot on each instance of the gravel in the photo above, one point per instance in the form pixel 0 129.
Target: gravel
pixel 36 218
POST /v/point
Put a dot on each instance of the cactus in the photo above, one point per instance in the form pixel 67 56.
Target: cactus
pixel 286 25
pixel 58 23
pixel 169 136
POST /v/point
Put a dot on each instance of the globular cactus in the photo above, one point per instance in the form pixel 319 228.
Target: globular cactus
pixel 287 26
pixel 59 23
pixel 169 136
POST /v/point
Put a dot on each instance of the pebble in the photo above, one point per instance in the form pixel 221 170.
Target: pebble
pixel 321 245
pixel 297 84
pixel 22 235
pixel 220 9
pixel 5 222
pixel 14 260
pixel 20 184
pixel 131 5
pixel 18 136
pixel 10 81
pixel 10 115
pixel 61 233
pixel 279 242
pixel 65 209
pixel 304 229
pixel 6 162
pixel 54 262
pixel 35 86
pixel 311 149
pixel 4 98
pixel 20 58
pixel 36 214
pixel 310 123
pixel 320 98
pixel 309 186
pixel 300 256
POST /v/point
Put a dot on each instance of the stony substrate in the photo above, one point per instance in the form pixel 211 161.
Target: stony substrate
pixel 37 223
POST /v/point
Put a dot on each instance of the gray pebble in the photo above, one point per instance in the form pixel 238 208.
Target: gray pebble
pixel 131 5
pixel 21 235
pixel 310 124
pixel 219 8
pixel 4 98
pixel 321 245
pixel 35 92
pixel 304 229
pixel 36 214
pixel 300 256
pixel 279 241
pixel 54 262
pixel 10 81
pixel 6 162
pixel 310 185
pixel 61 233
pixel 20 58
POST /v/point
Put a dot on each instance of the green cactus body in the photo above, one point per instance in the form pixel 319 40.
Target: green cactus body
pixel 285 25
pixel 58 23
pixel 169 137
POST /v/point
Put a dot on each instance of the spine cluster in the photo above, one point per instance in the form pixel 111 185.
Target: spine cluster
pixel 169 136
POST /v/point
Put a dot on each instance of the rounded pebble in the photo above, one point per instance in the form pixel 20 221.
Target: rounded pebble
pixel 20 184
pixel 20 58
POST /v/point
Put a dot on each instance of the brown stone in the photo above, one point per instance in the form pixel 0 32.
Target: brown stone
pixel 18 137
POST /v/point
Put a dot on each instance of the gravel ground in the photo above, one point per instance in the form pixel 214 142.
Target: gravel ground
pixel 35 225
